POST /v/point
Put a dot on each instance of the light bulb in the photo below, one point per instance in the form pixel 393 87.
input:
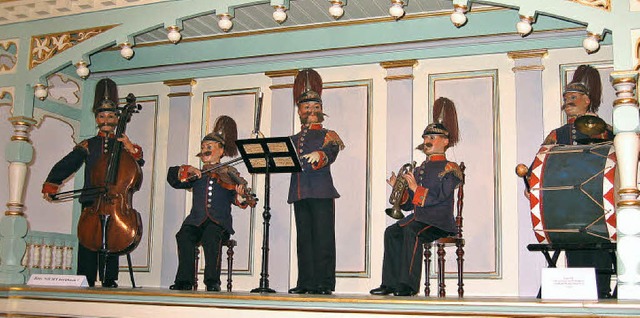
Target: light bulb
pixel 174 34
pixel 225 23
pixel 458 18
pixel 126 51
pixel 396 10
pixel 279 15
pixel 82 70
pixel 524 25
pixel 336 10
pixel 40 91
pixel 591 43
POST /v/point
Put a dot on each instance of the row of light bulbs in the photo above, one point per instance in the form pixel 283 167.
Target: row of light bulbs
pixel 591 43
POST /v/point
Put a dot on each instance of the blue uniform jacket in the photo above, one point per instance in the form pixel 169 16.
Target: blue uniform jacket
pixel 433 201
pixel 210 200
pixel 315 181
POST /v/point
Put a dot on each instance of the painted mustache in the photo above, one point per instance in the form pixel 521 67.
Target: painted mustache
pixel 107 125
pixel 204 153
pixel 567 105
pixel 320 116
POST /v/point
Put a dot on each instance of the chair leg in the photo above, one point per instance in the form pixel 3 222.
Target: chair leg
pixel 460 260
pixel 196 269
pixel 441 284
pixel 427 268
pixel 230 253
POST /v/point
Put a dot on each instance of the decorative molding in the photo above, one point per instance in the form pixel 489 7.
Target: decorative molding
pixel 514 55
pixel 8 59
pixel 183 94
pixel 528 68
pixel 398 77
pixel 280 86
pixel 46 46
pixel 599 4
pixel 180 82
pixel 401 63
pixel 282 73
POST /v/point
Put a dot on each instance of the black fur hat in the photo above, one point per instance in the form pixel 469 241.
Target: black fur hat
pixel 106 97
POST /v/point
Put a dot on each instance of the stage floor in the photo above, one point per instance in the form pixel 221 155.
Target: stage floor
pixel 26 301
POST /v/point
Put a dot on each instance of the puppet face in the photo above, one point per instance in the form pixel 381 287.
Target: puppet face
pixel 575 104
pixel 310 112
pixel 106 122
pixel 211 152
pixel 435 144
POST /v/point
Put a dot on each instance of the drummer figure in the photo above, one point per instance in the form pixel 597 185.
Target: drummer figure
pixel 581 100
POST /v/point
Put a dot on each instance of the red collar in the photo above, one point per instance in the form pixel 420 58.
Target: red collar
pixel 437 157
pixel 571 120
pixel 103 134
pixel 314 126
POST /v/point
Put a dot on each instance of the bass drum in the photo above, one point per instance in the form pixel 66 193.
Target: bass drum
pixel 572 194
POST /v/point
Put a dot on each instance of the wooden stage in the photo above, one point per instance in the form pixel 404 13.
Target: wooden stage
pixel 25 301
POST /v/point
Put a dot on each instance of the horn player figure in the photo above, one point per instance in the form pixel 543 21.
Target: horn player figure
pixel 430 195
pixel 209 221
pixel 312 192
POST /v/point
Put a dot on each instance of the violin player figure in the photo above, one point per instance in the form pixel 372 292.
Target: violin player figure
pixel 209 221
pixel 89 152
pixel 312 191
pixel 430 195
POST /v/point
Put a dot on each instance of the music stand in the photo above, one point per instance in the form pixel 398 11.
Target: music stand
pixel 266 156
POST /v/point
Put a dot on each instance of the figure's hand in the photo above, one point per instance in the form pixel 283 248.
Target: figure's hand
pixel 392 180
pixel 411 181
pixel 191 170
pixel 128 145
pixel 240 189
pixel 313 157
pixel 48 196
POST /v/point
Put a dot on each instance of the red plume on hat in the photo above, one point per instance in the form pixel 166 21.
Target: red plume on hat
pixel 225 131
pixel 589 76
pixel 106 96
pixel 445 121
pixel 307 87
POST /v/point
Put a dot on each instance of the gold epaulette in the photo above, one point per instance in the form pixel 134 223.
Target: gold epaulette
pixel 332 137
pixel 452 167
pixel 83 144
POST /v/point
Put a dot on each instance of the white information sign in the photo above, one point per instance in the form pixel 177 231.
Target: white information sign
pixel 569 283
pixel 57 280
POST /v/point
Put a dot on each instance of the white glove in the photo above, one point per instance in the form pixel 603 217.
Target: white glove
pixel 312 158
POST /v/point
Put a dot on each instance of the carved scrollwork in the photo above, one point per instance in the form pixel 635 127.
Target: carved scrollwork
pixel 44 47
pixel 600 4
pixel 8 56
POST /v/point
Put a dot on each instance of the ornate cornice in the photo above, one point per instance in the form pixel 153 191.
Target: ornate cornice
pixel 180 82
pixel 402 63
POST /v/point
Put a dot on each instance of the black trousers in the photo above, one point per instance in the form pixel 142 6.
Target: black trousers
pixel 90 262
pixel 211 235
pixel 403 250
pixel 601 260
pixel 316 239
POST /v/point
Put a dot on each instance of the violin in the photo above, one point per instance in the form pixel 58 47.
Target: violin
pixel 228 177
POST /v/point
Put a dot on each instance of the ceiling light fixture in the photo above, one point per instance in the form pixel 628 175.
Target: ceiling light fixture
pixel 592 42
pixel 174 34
pixel 396 10
pixel 279 14
pixel 225 23
pixel 40 91
pixel 524 25
pixel 125 50
pixel 336 10
pixel 82 70
pixel 458 17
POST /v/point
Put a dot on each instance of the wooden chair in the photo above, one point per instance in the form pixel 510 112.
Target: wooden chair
pixel 455 240
pixel 230 244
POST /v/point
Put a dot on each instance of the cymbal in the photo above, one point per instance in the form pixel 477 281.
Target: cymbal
pixel 590 125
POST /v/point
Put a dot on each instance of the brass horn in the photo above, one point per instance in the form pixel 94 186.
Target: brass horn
pixel 399 188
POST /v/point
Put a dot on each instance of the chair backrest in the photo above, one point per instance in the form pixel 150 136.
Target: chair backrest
pixel 460 202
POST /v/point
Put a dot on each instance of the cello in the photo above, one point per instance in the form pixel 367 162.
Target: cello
pixel 111 225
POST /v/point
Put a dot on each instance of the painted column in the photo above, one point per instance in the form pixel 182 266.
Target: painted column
pixel 399 138
pixel 13 225
pixel 528 70
pixel 626 126
pixel 180 93
pixel 283 112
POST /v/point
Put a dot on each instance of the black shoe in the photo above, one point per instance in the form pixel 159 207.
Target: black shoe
pixel 213 288
pixel 299 290
pixel 381 291
pixel 321 291
pixel 109 283
pixel 181 286
pixel 404 292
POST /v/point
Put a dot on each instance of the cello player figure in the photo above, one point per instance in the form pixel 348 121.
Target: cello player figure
pixel 210 221
pixel 88 152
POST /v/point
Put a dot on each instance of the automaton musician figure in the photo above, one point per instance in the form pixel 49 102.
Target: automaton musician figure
pixel 582 97
pixel 312 191
pixel 89 152
pixel 215 187
pixel 428 191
